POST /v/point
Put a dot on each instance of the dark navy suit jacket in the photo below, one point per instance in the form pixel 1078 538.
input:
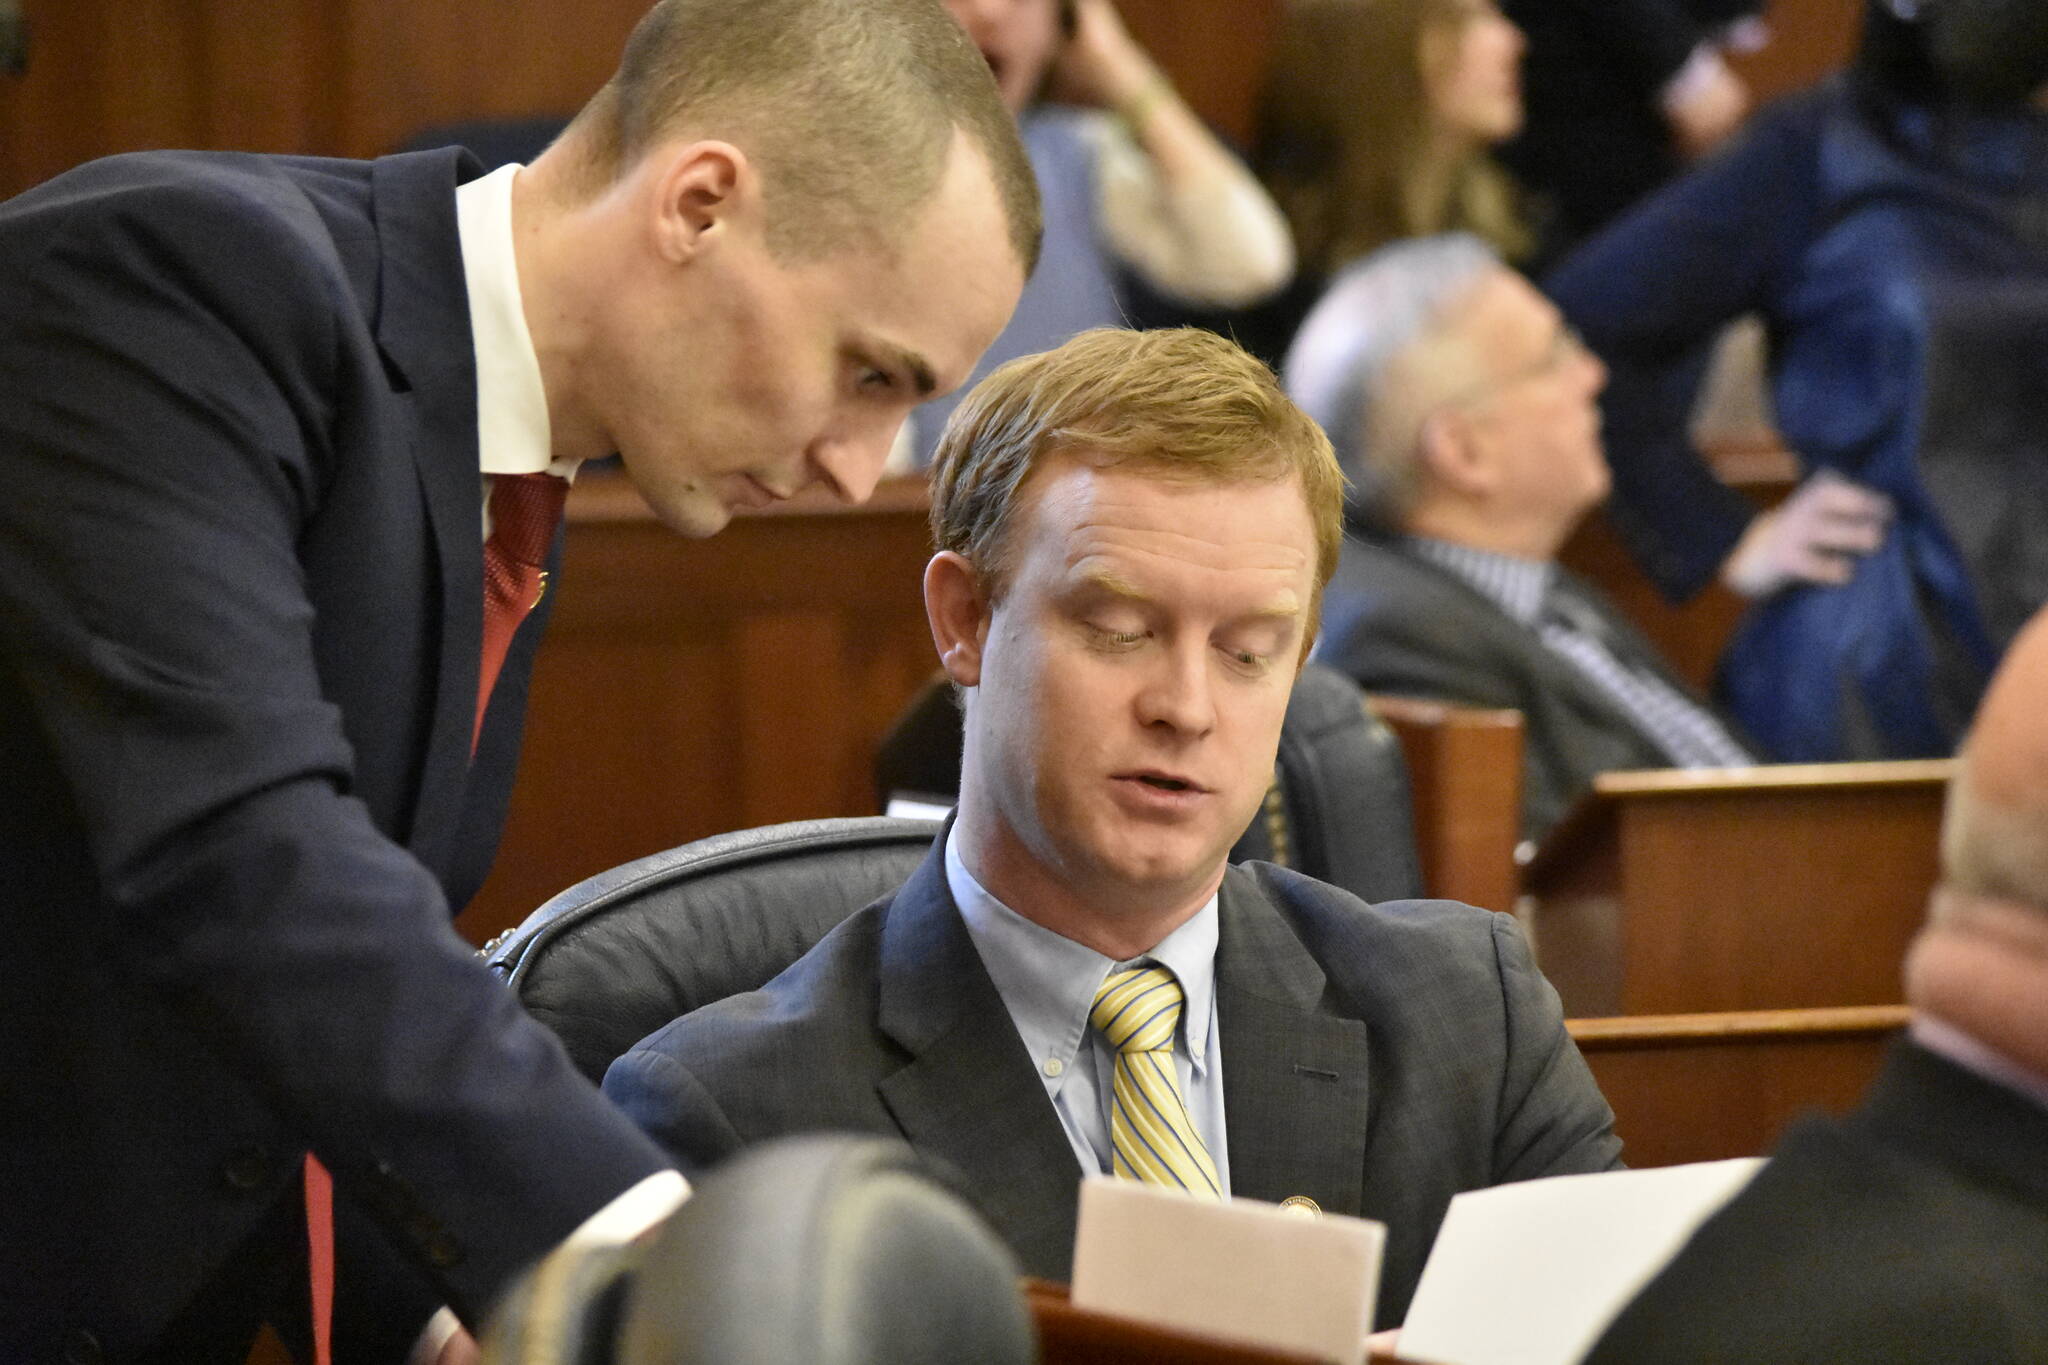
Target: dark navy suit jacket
pixel 239 620
pixel 1914 1229
pixel 1377 1059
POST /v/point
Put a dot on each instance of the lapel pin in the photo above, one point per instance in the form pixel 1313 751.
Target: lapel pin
pixel 1301 1206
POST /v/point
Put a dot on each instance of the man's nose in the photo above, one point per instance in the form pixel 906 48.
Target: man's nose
pixel 1177 693
pixel 852 465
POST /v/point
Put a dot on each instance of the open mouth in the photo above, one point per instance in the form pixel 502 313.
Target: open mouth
pixel 1166 784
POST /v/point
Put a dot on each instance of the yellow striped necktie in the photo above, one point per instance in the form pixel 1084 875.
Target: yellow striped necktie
pixel 1152 1137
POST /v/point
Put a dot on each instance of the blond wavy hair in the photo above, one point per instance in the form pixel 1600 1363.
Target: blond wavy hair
pixel 1344 135
pixel 1181 403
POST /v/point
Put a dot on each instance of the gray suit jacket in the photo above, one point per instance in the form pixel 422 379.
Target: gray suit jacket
pixel 1378 1059
pixel 1402 625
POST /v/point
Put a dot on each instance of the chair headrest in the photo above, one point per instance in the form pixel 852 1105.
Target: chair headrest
pixel 614 958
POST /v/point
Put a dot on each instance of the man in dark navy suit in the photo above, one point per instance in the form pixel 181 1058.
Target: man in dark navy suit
pixel 258 417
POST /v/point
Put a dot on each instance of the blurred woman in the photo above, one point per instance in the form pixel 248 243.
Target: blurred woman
pixel 1376 124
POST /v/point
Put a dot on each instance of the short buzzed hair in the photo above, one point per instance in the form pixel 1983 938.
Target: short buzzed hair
pixel 1181 403
pixel 1362 365
pixel 848 108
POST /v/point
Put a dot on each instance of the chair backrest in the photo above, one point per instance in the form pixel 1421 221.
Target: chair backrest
pixel 615 957
pixel 1338 808
pixel 827 1250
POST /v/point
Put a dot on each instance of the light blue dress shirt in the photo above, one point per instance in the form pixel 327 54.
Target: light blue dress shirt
pixel 1048 984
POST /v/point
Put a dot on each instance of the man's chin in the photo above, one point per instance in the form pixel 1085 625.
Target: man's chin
pixel 695 514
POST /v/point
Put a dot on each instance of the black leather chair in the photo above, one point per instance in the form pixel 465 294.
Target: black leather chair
pixel 825 1250
pixel 1338 809
pixel 615 957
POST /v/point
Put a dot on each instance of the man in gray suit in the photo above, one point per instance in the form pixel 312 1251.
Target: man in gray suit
pixel 1134 531
pixel 1463 410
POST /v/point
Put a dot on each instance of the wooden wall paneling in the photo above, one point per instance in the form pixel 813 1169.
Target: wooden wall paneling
pixel 410 66
pixel 1215 51
pixel 1809 38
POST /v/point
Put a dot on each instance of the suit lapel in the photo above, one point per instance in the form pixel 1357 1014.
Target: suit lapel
pixel 423 327
pixel 1294 1077
pixel 969 1097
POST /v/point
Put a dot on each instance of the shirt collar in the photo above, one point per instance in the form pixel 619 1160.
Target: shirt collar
pixel 1517 586
pixel 514 435
pixel 1941 1037
pixel 1048 981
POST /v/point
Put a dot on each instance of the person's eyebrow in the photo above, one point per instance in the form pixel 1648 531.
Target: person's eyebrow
pixel 887 355
pixel 1106 583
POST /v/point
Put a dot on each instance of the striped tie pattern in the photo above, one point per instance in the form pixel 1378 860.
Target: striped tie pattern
pixel 1152 1136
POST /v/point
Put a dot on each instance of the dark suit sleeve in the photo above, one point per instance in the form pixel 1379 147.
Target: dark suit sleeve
pixel 1553 1119
pixel 170 383
pixel 1651 294
pixel 662 1095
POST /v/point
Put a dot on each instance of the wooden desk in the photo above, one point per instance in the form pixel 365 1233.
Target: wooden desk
pixel 1739 889
pixel 690 687
pixel 1078 1336
pixel 1703 1087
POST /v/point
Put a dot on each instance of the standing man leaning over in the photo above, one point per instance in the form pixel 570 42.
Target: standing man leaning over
pixel 258 416
pixel 1134 530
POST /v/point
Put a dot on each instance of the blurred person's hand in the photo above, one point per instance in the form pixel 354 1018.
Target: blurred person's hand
pixel 1814 536
pixel 1102 65
pixel 1705 103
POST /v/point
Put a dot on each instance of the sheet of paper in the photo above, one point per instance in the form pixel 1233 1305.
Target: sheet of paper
pixel 1531 1274
pixel 1242 1269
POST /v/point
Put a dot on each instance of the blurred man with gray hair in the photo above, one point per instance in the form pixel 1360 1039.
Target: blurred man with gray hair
pixel 1917 1227
pixel 1462 409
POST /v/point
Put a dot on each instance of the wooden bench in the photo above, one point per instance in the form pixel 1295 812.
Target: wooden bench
pixel 1737 889
pixel 1465 781
pixel 1702 1087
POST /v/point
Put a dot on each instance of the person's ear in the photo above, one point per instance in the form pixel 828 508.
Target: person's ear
pixel 699 189
pixel 959 616
pixel 1452 453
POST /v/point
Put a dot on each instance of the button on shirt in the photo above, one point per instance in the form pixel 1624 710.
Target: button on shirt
pixel 514 433
pixel 1529 591
pixel 1048 983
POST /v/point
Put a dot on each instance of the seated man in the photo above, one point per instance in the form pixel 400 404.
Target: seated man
pixel 1463 410
pixel 1133 532
pixel 1916 1229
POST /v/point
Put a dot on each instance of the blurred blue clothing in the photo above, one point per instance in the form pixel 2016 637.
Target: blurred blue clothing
pixel 1899 257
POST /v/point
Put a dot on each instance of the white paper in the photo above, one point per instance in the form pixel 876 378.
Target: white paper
pixel 1239 1269
pixel 1531 1274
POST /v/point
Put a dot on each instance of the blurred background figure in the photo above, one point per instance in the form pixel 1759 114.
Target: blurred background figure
pixel 1621 94
pixel 1917 1228
pixel 1376 124
pixel 1463 412
pixel 1891 228
pixel 1144 207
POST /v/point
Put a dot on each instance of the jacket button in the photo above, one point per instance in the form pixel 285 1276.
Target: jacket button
pixel 82 1348
pixel 246 1170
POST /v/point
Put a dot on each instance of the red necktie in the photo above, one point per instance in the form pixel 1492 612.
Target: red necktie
pixel 525 510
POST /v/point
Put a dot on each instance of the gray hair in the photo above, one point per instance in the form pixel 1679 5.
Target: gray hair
pixel 1373 314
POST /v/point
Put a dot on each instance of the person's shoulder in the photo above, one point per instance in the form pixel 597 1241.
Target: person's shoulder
pixel 1385 604
pixel 218 223
pixel 1327 916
